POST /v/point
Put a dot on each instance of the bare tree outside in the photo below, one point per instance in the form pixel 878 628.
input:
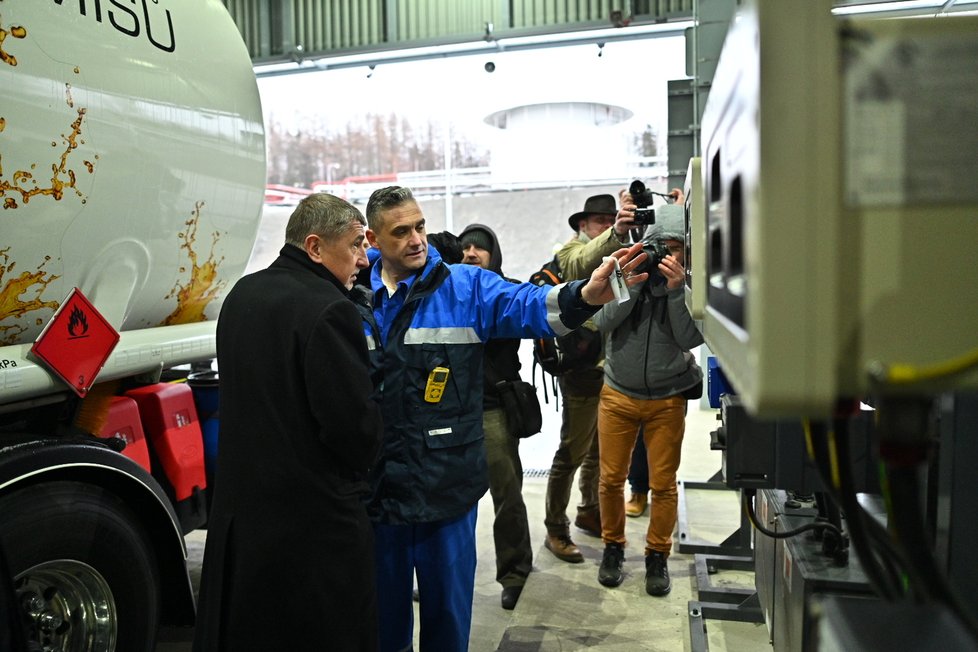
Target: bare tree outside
pixel 379 145
pixel 374 146
pixel 647 142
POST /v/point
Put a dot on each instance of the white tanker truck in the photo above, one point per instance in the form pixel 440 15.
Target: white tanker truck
pixel 132 167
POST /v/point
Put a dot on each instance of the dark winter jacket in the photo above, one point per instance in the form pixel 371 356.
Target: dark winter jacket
pixel 501 359
pixel 289 542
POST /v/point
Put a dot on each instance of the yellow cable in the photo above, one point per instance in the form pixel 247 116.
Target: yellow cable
pixel 834 460
pixel 903 374
pixel 807 426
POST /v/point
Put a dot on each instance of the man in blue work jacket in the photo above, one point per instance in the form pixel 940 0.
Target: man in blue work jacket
pixel 426 335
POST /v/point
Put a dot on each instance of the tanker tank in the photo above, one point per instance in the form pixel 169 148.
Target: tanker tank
pixel 132 166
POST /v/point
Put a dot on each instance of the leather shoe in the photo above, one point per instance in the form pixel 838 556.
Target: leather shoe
pixel 511 595
pixel 589 523
pixel 563 548
pixel 636 504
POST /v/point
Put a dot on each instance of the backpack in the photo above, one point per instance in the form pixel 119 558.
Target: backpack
pixel 579 349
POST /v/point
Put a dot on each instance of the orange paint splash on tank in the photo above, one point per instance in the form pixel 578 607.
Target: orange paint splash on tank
pixel 203 286
pixel 14 32
pixel 12 306
pixel 24 183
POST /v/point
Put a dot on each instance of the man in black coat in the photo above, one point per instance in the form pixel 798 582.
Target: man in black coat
pixel 289 556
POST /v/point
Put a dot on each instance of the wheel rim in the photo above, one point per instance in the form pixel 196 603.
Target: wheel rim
pixel 67 606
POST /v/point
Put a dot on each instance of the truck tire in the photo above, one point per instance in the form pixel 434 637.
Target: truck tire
pixel 84 571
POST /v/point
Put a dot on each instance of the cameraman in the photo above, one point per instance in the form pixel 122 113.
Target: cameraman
pixel 600 229
pixel 638 472
pixel 649 373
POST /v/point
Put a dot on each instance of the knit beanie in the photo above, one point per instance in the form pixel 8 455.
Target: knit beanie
pixel 476 237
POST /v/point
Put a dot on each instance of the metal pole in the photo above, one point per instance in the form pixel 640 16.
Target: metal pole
pixel 449 221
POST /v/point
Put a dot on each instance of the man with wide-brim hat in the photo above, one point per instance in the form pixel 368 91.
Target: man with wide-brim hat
pixel 596 205
pixel 601 229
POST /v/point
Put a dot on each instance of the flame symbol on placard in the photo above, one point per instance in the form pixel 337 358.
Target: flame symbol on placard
pixel 77 322
pixel 11 290
pixel 203 287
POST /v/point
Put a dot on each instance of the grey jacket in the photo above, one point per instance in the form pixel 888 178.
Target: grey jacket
pixel 647 354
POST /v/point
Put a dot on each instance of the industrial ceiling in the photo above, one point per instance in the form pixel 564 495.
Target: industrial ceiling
pixel 288 36
pixel 295 31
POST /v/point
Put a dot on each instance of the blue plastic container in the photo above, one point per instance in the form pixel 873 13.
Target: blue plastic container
pixel 205 388
pixel 717 384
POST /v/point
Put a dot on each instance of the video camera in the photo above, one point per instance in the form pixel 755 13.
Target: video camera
pixel 656 250
pixel 643 198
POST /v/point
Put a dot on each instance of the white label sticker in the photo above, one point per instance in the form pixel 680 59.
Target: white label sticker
pixel 911 116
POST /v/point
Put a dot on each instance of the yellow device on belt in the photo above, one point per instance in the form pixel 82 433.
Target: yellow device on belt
pixel 435 388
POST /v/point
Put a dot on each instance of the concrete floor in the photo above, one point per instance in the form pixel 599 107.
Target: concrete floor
pixel 562 606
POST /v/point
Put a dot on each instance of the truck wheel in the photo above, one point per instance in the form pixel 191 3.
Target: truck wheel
pixel 84 572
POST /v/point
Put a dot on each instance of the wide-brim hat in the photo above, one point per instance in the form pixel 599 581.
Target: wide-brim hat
pixel 596 205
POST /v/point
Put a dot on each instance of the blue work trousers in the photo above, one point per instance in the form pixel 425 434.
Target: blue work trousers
pixel 442 555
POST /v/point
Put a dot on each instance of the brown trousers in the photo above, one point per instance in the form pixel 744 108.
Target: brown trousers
pixel 578 449
pixel 664 421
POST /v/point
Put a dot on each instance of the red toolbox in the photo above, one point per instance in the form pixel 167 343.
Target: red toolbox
pixel 123 422
pixel 170 421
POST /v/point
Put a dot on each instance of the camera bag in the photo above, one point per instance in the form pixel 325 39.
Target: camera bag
pixel 522 407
